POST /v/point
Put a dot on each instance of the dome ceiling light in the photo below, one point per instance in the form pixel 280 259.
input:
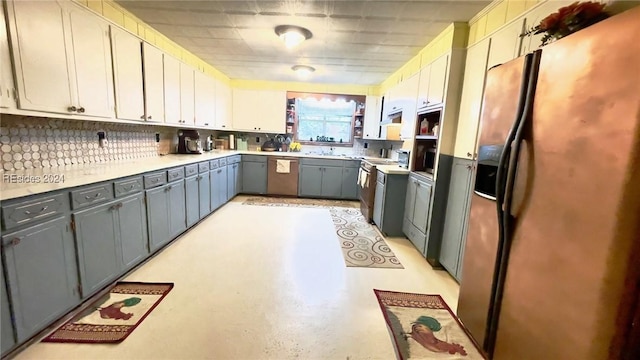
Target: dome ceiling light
pixel 292 35
pixel 303 71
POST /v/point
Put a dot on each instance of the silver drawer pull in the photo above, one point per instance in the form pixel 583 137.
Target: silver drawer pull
pixel 94 197
pixel 14 241
pixel 116 206
pixel 155 180
pixel 219 171
pixel 132 186
pixel 27 212
pixel 168 188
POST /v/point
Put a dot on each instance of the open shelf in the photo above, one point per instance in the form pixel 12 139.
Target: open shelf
pixel 426 137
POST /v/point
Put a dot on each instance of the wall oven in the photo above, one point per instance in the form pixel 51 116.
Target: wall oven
pixel 367 177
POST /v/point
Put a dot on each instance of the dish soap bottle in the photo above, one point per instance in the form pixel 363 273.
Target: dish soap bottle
pixel 424 127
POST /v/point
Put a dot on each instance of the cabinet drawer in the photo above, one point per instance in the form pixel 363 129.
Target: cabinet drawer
pixel 127 186
pixel 223 162
pixel 321 162
pixel 16 213
pixel 254 158
pixel 175 174
pixel 191 170
pixel 214 164
pixel 352 163
pixel 155 179
pixel 91 195
pixel 382 177
pixel 203 167
pixel 234 159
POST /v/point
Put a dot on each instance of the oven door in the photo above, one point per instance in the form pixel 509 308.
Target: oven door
pixel 367 185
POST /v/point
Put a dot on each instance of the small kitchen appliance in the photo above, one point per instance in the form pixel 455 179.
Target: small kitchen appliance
pixel 189 142
pixel 403 158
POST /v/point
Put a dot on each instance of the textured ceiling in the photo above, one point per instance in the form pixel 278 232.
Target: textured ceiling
pixel 354 42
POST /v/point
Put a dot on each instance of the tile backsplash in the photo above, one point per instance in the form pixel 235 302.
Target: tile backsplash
pixel 34 142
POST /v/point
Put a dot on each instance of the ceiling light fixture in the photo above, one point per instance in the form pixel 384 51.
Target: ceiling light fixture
pixel 292 35
pixel 303 71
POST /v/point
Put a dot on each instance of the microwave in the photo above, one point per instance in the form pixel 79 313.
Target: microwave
pixel 403 158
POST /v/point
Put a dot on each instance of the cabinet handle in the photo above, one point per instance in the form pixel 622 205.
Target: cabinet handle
pixel 219 171
pixel 224 125
pixel 469 154
pixel 155 180
pixel 81 110
pixel 72 108
pixel 87 197
pixel 132 186
pixel 149 117
pixel 116 206
pixel 14 241
pixel 168 188
pixel 27 212
pixel 142 117
pixel 206 124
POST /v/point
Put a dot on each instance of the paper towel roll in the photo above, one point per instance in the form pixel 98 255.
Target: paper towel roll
pixel 232 142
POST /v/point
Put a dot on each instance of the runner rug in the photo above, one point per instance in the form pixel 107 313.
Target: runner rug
pixel 114 316
pixel 424 327
pixel 361 243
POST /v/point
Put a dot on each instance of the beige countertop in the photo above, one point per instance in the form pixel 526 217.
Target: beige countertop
pixel 25 182
pixel 393 169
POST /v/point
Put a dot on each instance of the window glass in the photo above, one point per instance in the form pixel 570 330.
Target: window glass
pixel 325 118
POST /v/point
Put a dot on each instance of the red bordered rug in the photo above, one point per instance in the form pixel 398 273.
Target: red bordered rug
pixel 424 327
pixel 114 316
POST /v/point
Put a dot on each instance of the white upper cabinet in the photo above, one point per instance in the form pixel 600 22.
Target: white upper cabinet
pixel 437 80
pixel 205 100
pixel 505 44
pixel 259 110
pixel 407 94
pixel 533 18
pixel 423 87
pixel 62 59
pixel 127 66
pixel 153 75
pixel 171 90
pixel 372 110
pixel 223 106
pixel 187 100
pixel 7 87
pixel 471 99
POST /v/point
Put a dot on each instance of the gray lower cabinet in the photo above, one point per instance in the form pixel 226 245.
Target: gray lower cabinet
pixel 350 183
pixel 416 211
pixel 331 181
pixel 42 274
pixel 455 226
pixel 166 213
pixel 204 194
pixel 254 177
pixel 388 206
pixel 218 187
pixel 192 199
pixel 310 181
pixel 233 187
pixel 111 239
pixel 8 339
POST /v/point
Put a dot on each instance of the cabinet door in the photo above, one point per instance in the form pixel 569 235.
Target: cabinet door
pixel 378 204
pixel 455 220
pixel 505 44
pixel 421 208
pixel 127 71
pixel 132 221
pixel 437 80
pixel 238 178
pixel 187 101
pixel 171 90
pixel 43 76
pixel 410 200
pixel 205 99
pixel 177 208
pixel 350 183
pixel 223 106
pixel 41 273
pixel 7 86
pixel 158 217
pixel 205 186
pixel 423 87
pixel 310 182
pixel 98 253
pixel 471 99
pixel 153 83
pixel 92 60
pixel 232 174
pixel 191 189
pixel 6 323
pixel 213 190
pixel 254 177
pixel 222 189
pixel 408 94
pixel 331 181
pixel 273 111
pixel 371 126
pixel 244 110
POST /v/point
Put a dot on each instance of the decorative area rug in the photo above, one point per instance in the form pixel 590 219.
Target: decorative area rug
pixel 114 316
pixel 362 245
pixel 424 327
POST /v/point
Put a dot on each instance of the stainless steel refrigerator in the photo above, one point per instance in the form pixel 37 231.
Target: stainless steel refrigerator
pixel 551 267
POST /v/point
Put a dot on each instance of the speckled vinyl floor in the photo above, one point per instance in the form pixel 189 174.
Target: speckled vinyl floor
pixel 256 282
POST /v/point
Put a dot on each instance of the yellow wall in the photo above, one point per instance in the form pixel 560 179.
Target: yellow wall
pixel 306 87
pixel 495 15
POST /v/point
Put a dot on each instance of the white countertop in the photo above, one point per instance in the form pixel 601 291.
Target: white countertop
pixel 25 182
pixel 393 169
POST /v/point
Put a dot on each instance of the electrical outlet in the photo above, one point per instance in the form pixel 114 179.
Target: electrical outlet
pixel 157 137
pixel 102 139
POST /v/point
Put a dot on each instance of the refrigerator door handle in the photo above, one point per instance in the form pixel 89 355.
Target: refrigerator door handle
pixel 488 197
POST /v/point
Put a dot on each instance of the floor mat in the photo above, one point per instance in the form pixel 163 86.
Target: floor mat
pixel 424 327
pixel 362 245
pixel 114 316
